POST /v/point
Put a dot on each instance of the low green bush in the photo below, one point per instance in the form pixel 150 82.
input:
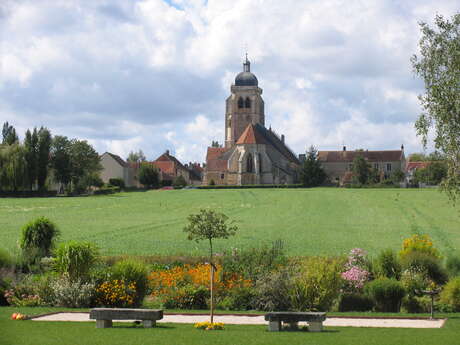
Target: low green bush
pixel 211 186
pixel 417 261
pixel 355 302
pixel 386 293
pixel 271 292
pixel 453 265
pixel 416 304
pixel 316 285
pixel 187 297
pixel 107 190
pixel 75 259
pixel 5 259
pixel 179 182
pixel 387 265
pixel 241 298
pixel 117 182
pixel 37 239
pixel 132 271
pixel 72 293
pixel 450 295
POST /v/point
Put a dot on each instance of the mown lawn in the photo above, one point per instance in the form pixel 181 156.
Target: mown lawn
pixel 310 221
pixel 84 333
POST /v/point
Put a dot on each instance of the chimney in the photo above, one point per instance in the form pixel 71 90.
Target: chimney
pixel 282 138
pixel 167 152
pixel 344 148
pixel 402 147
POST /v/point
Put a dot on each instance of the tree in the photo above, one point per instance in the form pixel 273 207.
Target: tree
pixel 136 157
pixel 179 182
pixel 148 175
pixel 84 161
pixel 397 176
pixel 43 156
pixel 361 169
pixel 31 147
pixel 312 173
pixel 13 167
pixel 37 239
pixel 208 225
pixel 61 159
pixel 215 144
pixel 9 135
pixel 433 174
pixel 439 67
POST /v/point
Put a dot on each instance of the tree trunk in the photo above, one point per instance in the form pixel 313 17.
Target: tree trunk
pixel 212 283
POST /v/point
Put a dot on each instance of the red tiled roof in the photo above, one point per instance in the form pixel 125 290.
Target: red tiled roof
pixel 213 160
pixel 215 152
pixel 371 156
pixel 251 136
pixel 416 165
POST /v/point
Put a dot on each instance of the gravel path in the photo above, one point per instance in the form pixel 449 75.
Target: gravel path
pixel 259 320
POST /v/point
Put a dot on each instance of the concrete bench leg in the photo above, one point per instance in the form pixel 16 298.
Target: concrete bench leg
pixel 315 326
pixel 274 326
pixel 149 323
pixel 103 323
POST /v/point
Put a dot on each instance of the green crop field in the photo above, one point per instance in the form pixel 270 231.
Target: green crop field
pixel 309 221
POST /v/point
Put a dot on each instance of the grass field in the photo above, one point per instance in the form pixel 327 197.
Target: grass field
pixel 310 221
pixel 83 333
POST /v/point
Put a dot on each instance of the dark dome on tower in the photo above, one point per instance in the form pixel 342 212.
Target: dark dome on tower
pixel 246 78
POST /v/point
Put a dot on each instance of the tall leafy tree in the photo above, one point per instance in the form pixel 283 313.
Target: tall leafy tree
pixel 312 174
pixel 361 169
pixel 438 64
pixel 136 157
pixel 208 225
pixel 148 175
pixel 31 148
pixel 61 159
pixel 43 156
pixel 9 136
pixel 13 167
pixel 84 161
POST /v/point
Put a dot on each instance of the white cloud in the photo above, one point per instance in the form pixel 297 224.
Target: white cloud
pixel 154 75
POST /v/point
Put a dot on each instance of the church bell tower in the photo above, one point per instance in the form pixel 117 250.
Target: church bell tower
pixel 244 106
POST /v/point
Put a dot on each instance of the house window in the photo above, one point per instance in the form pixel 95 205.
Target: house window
pixel 388 166
pixel 249 163
pixel 240 103
pixel 222 176
pixel 376 166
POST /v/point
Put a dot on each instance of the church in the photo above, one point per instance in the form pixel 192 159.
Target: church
pixel 252 154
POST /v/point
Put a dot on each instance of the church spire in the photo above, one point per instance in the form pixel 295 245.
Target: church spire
pixel 247 65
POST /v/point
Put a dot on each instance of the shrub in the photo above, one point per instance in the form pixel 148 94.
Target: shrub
pixel 453 266
pixel 419 244
pixel 132 271
pixel 106 190
pixel 23 293
pixel 255 262
pixel 240 298
pixel 414 282
pixel 117 182
pixel 38 237
pixel 272 291
pixel 450 295
pixel 317 284
pixel 426 264
pixel 5 259
pixel 75 259
pixel 187 297
pixel 416 304
pixel 179 182
pixel 355 302
pixel 72 293
pixel 386 293
pixel 387 265
pixel 116 293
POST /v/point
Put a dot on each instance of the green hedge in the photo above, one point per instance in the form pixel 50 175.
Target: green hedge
pixel 27 194
pixel 107 190
pixel 297 185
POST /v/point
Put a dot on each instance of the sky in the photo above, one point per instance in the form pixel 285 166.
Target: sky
pixel 154 74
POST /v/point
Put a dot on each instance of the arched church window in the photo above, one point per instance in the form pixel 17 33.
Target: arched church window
pixel 249 164
pixel 240 103
pixel 247 103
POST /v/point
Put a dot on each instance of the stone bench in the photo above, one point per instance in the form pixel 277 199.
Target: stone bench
pixel 275 319
pixel 104 316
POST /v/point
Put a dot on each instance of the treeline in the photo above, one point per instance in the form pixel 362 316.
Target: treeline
pixel 42 160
